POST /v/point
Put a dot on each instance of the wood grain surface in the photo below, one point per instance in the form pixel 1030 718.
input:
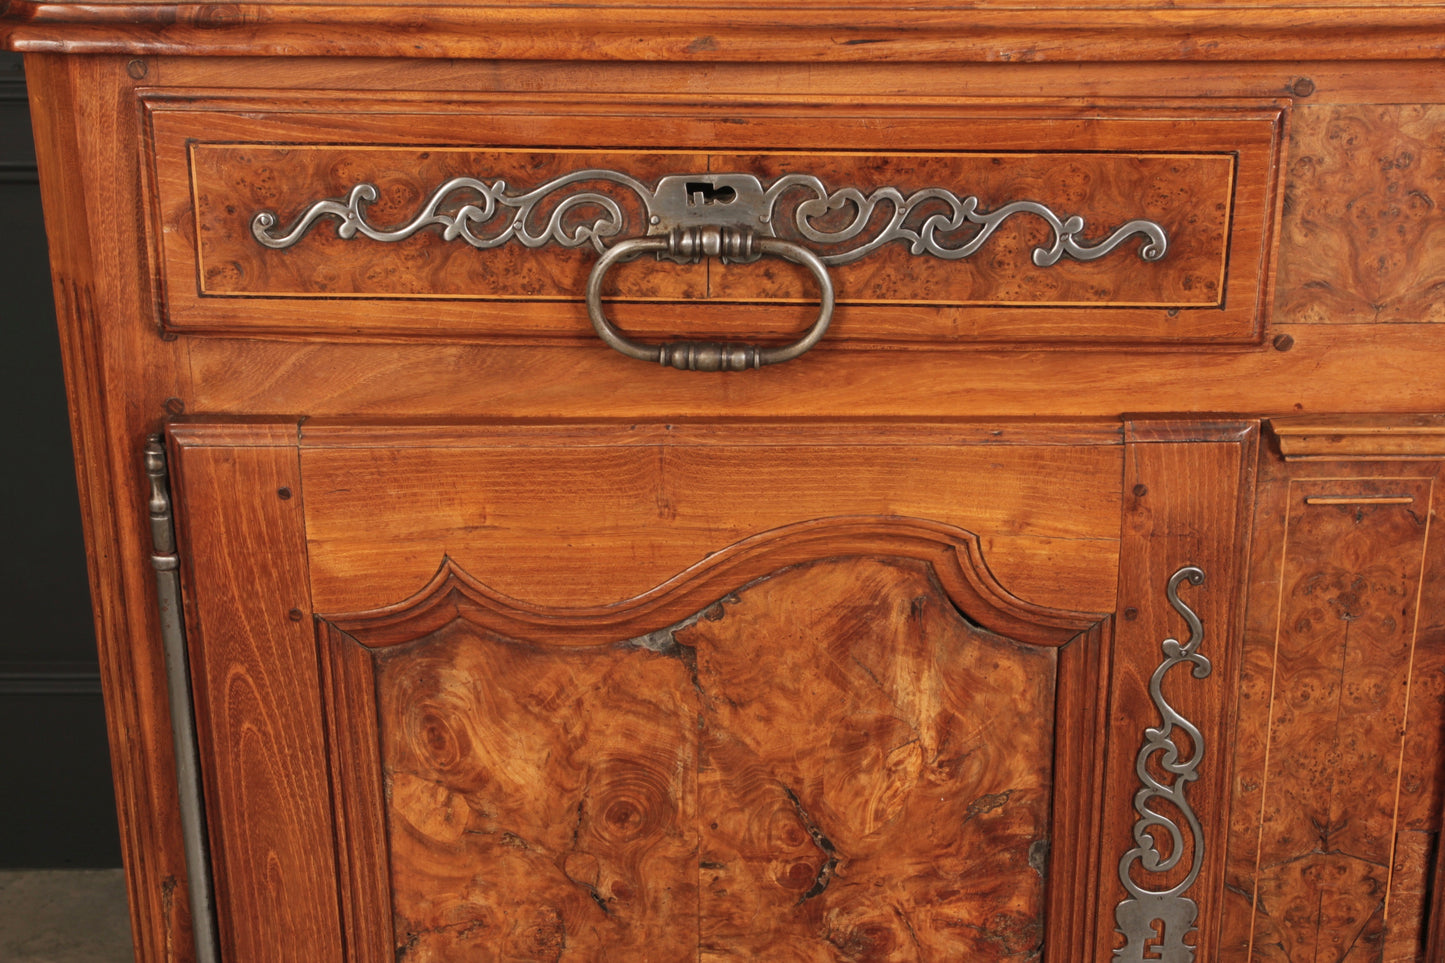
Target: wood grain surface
pixel 1190 196
pixel 1337 792
pixel 1337 368
pixel 114 373
pixel 828 762
pixel 1351 330
pixel 751 31
pixel 1363 231
pixel 1347 438
pixel 258 701
pixel 1187 501
pixel 583 525
pixel 1205 176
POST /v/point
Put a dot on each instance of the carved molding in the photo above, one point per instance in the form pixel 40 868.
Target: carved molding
pixel 1360 437
pixel 953 553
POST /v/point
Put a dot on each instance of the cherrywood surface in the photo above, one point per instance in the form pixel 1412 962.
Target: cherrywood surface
pixel 532 520
pixel 1360 437
pixel 257 697
pixel 1327 368
pixel 84 124
pixel 1187 502
pixel 752 31
pixel 485 854
pixel 1294 73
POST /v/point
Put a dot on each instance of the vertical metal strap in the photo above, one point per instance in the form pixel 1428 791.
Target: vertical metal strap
pixel 183 722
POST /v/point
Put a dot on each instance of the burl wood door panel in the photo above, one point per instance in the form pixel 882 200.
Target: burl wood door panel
pixel 665 692
pixel 829 763
pixel 826 730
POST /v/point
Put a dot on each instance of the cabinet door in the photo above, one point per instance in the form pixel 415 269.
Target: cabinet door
pixel 657 692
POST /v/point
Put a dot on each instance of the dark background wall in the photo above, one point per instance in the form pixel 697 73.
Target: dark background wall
pixel 56 803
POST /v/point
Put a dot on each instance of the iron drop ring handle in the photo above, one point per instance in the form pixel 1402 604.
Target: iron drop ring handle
pixel 691 245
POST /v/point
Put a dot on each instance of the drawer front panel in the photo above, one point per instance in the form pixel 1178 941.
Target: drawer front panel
pixel 938 222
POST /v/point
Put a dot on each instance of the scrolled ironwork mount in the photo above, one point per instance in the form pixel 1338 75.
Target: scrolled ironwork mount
pixel 731 216
pixel 1155 922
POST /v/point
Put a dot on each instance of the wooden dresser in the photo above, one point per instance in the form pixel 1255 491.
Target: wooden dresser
pixel 1049 572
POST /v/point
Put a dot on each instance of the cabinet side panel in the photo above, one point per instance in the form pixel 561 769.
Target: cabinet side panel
pixel 1338 785
pixel 257 691
pixel 117 376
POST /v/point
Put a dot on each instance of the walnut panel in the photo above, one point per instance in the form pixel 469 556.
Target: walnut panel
pixel 1206 176
pixel 1363 235
pixel 232 183
pixel 828 762
pixel 1336 789
pixel 1415 894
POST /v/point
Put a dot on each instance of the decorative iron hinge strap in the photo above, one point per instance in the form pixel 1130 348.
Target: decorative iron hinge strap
pixel 1155 922
pixel 183 722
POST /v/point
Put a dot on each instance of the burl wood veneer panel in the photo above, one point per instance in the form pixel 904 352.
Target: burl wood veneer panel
pixel 1363 234
pixel 1205 175
pixel 1337 791
pixel 828 762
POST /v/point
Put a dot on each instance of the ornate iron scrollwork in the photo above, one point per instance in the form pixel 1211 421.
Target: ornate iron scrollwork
pixel 487 214
pixel 731 216
pixel 1156 921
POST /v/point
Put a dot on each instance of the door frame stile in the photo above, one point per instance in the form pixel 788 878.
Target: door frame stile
pixel 166 562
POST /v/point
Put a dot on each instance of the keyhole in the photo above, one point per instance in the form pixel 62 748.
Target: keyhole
pixel 1154 944
pixel 701 193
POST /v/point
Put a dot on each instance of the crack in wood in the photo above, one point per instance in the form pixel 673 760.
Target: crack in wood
pixel 664 642
pixel 908 925
pixel 589 888
pixel 825 872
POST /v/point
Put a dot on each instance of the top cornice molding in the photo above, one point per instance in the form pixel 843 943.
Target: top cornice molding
pixel 741 31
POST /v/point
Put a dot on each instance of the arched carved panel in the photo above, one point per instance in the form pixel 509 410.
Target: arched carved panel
pixel 835 754
pixel 953 553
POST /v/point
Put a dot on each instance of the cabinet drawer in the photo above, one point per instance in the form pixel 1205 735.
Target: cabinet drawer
pixel 940 222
